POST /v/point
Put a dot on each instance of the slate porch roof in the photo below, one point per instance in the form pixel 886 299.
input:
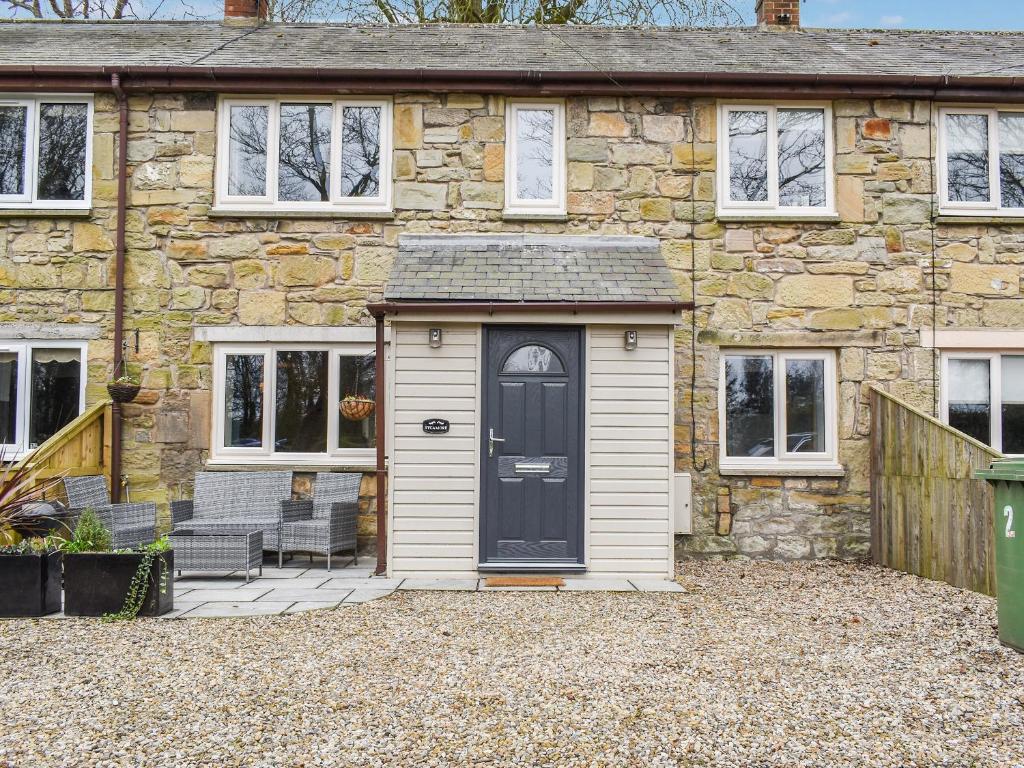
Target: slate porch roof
pixel 527 268
pixel 451 48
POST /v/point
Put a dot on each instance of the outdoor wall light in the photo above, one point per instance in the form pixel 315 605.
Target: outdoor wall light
pixel 630 340
pixel 435 338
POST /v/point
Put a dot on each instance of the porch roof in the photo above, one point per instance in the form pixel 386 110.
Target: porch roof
pixel 530 268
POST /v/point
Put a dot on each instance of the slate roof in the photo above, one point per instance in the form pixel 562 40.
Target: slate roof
pixel 529 268
pixel 742 50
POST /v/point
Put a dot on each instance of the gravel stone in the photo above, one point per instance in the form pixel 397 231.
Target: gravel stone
pixel 754 664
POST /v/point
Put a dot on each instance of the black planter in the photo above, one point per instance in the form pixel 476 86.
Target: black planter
pixel 29 585
pixel 96 583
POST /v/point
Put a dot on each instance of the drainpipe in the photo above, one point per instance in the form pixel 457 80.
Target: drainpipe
pixel 382 498
pixel 122 202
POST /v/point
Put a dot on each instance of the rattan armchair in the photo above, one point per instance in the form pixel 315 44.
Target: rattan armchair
pixel 329 518
pixel 130 525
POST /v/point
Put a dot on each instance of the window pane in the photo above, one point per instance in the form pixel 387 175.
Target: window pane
pixel 969 391
pixel 12 150
pixel 8 397
pixel 749 406
pixel 748 156
pixel 63 132
pixel 300 424
pixel 356 377
pixel 1013 403
pixel 247 151
pixel 967 158
pixel 243 401
pixel 360 152
pixel 56 389
pixel 805 406
pixel 533 358
pixel 305 152
pixel 535 141
pixel 801 157
pixel 1011 159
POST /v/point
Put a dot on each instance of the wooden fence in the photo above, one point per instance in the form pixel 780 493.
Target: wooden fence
pixel 929 516
pixel 80 448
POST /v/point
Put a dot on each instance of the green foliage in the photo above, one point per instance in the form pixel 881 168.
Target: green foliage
pixel 140 581
pixel 90 535
pixel 37 545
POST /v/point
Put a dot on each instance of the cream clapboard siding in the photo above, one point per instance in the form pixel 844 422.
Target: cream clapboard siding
pixel 433 477
pixel 630 445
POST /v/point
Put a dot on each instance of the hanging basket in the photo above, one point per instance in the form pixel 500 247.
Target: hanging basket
pixel 356 409
pixel 121 392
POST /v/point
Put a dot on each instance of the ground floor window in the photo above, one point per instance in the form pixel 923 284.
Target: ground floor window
pixel 983 396
pixel 42 388
pixel 778 408
pixel 294 403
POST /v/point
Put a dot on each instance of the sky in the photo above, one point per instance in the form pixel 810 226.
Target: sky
pixel 914 14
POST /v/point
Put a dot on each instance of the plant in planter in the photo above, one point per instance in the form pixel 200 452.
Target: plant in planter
pixel 29 564
pixel 123 389
pixel 356 406
pixel 120 584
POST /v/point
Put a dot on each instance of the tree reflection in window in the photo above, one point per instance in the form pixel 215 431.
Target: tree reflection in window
pixel 748 156
pixel 247 151
pixel 801 136
pixel 8 397
pixel 749 406
pixel 533 358
pixel 12 149
pixel 1011 160
pixel 243 401
pixel 63 129
pixel 535 138
pixel 304 155
pixel 357 376
pixel 360 152
pixel 967 158
pixel 805 406
pixel 300 424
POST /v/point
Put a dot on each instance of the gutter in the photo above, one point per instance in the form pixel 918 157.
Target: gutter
pixel 119 266
pixel 380 309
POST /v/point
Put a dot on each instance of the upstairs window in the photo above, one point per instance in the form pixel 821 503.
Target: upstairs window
pixel 535 158
pixel 776 160
pixel 42 389
pixel 304 154
pixel 45 152
pixel 981 161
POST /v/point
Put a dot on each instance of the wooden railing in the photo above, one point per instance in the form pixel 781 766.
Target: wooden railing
pixel 80 448
pixel 929 516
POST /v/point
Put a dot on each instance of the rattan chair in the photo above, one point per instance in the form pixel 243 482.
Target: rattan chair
pixel 130 525
pixel 329 518
pixel 240 501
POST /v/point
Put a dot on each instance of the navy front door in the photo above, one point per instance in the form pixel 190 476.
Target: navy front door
pixel 531 443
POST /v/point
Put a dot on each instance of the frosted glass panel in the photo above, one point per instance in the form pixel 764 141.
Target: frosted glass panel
pixel 969 392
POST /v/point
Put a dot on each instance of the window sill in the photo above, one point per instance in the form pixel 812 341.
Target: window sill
pixel 554 216
pixel 729 217
pixel 235 465
pixel 45 213
pixel 282 213
pixel 781 470
pixel 974 218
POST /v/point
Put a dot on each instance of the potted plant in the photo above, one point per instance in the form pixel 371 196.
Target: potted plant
pixel 120 584
pixel 29 563
pixel 356 407
pixel 123 389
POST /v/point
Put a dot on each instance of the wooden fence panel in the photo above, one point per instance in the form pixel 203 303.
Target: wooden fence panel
pixel 929 516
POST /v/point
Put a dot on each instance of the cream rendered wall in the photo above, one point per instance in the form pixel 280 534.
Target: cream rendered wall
pixel 434 486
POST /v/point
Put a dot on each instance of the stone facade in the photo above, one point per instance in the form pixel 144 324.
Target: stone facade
pixel 861 284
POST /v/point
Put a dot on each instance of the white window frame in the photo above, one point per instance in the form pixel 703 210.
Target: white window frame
pixel 382 203
pixel 771 207
pixel 995 387
pixel 24 348
pixel 29 198
pixel 556 205
pixel 265 454
pixel 784 460
pixel 994 204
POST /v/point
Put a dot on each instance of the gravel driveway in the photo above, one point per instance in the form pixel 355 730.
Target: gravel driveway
pixel 756 665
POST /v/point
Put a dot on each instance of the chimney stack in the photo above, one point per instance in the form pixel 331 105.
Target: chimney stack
pixel 245 10
pixel 775 13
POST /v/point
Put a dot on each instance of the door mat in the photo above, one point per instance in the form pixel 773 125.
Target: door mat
pixel 524 581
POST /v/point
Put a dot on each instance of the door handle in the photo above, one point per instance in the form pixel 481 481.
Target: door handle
pixel 491 440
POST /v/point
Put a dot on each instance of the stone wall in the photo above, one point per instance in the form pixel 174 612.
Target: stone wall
pixel 861 284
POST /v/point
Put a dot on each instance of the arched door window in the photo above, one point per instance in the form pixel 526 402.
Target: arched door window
pixel 533 358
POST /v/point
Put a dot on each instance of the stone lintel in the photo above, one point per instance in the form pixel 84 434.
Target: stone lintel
pixel 759 339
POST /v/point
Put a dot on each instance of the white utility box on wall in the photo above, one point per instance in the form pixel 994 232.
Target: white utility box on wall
pixel 683 493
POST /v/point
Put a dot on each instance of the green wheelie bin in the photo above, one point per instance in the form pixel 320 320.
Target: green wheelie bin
pixel 1007 478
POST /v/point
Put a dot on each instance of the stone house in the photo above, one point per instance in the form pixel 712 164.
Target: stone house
pixel 632 284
